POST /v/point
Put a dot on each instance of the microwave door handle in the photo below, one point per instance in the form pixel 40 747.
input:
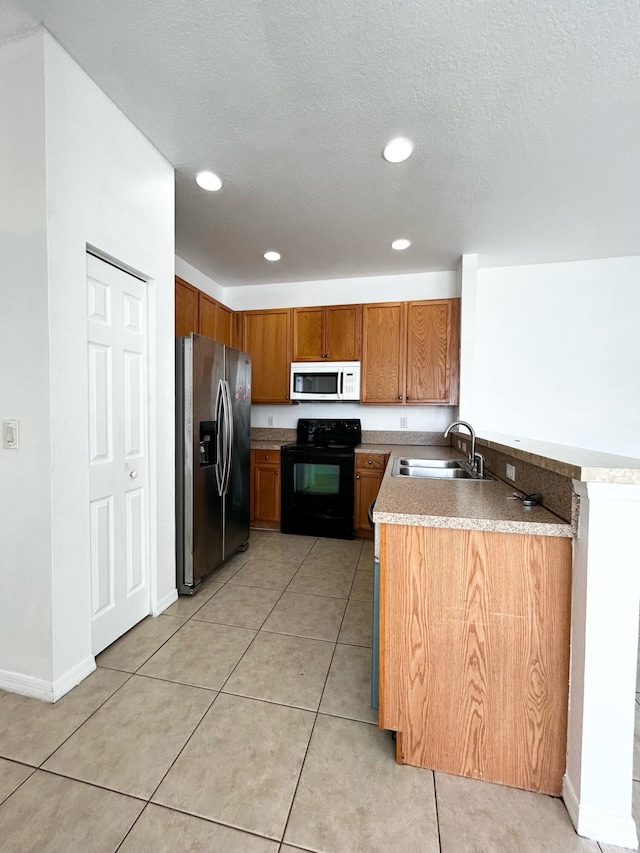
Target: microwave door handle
pixel 341 382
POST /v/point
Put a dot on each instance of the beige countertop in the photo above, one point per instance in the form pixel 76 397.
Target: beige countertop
pixel 587 465
pixel 274 444
pixel 460 504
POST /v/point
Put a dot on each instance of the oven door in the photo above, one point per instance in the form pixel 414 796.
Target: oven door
pixel 317 492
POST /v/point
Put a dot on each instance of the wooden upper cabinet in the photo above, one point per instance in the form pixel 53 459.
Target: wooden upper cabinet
pixel 383 353
pixel 330 333
pixel 224 325
pixel 432 351
pixel 411 352
pixel 207 320
pixel 187 308
pixel 267 339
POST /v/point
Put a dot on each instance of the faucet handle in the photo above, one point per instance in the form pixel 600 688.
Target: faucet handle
pixel 478 464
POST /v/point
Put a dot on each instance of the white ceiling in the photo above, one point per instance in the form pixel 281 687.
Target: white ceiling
pixel 525 117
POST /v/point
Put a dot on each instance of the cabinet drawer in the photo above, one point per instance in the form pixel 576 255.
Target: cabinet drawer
pixel 261 456
pixel 371 461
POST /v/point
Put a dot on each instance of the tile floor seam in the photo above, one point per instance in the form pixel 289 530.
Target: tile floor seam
pixel 304 760
pixel 196 727
pixel 95 710
pixel 33 770
pixel 62 775
pixel 435 800
pixel 146 806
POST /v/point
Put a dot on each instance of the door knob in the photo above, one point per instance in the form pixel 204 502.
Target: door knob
pixel 133 475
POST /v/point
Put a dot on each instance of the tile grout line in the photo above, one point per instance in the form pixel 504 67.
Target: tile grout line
pixel 435 799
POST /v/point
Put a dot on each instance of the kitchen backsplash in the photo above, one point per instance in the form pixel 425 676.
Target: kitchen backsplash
pixel 369 436
pixel 556 490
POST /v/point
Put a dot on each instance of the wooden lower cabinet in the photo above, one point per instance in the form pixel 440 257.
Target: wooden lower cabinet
pixel 474 652
pixel 369 473
pixel 265 488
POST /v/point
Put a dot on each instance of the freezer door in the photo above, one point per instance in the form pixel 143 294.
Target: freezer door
pixel 198 460
pixel 236 506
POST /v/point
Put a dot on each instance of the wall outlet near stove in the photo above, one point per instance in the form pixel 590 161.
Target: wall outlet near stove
pixel 270 420
pixel 404 423
pixel 511 472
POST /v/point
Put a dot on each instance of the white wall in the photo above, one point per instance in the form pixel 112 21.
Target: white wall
pixel 107 187
pixel 200 280
pixel 25 474
pixel 556 354
pixel 347 291
pixel 419 418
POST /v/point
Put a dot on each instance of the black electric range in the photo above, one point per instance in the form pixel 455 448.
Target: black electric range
pixel 317 488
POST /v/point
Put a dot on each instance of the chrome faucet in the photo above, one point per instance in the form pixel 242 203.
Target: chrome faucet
pixel 476 460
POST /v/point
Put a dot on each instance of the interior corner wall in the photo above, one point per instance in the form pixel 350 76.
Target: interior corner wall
pixel 344 291
pixel 198 279
pixel 108 188
pixel 556 353
pixel 25 506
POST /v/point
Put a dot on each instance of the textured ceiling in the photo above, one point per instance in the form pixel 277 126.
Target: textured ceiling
pixel 525 117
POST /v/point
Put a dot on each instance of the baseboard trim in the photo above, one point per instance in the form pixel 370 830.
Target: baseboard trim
pixel 160 606
pixel 40 688
pixel 598 825
pixel 73 677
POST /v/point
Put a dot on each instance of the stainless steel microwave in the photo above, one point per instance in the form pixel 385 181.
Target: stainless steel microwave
pixel 325 380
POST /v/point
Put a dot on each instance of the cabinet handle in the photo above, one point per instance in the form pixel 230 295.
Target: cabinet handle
pixel 266 455
pixel 399 396
pixel 408 398
pixel 276 473
pixel 370 462
pixel 357 476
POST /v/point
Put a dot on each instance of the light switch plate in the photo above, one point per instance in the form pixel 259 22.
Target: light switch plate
pixel 511 472
pixel 10 434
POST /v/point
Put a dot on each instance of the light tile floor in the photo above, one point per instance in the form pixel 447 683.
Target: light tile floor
pixel 239 722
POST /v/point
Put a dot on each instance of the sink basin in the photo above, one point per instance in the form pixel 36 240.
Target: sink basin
pixel 443 469
pixel 432 463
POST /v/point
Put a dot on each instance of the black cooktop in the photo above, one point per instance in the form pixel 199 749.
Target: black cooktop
pixel 332 433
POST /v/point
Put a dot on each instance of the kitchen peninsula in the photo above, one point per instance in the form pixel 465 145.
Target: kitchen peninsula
pixel 476 613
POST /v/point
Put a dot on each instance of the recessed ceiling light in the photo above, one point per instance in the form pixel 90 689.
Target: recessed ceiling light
pixel 401 244
pixel 272 256
pixel 208 181
pixel 397 150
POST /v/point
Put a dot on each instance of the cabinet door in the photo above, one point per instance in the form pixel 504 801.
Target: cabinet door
pixel 186 308
pixel 383 353
pixel 266 492
pixel 308 334
pixel 224 325
pixel 267 339
pixel 432 351
pixel 343 325
pixel 207 319
pixel 367 488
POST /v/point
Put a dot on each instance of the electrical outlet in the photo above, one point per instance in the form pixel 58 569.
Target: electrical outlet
pixel 404 423
pixel 459 445
pixel 10 435
pixel 464 446
pixel 511 472
pixel 270 420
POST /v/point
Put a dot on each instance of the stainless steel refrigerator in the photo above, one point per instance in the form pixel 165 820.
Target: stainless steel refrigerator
pixel 213 422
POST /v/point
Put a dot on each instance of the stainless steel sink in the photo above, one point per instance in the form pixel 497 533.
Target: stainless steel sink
pixel 434 469
pixel 432 463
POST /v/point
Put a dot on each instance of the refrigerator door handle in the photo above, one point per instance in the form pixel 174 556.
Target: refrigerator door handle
pixel 229 435
pixel 220 438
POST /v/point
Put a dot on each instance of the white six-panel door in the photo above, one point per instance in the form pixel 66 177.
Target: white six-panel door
pixel 118 471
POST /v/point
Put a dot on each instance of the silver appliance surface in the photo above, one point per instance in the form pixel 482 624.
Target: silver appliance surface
pixel 213 404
